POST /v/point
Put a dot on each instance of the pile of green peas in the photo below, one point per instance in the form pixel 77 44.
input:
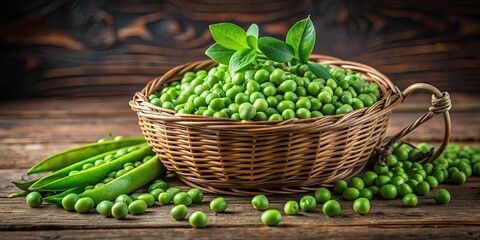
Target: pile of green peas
pixel 403 176
pixel 272 92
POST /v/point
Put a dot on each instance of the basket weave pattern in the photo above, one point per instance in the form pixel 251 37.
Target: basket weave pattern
pixel 270 157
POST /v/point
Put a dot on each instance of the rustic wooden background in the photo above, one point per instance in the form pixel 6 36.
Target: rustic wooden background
pixel 69 67
pixel 95 48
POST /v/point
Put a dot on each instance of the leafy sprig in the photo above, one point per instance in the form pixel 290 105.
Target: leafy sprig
pixel 241 50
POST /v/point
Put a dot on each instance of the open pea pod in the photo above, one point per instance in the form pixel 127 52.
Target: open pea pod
pixel 92 175
pixel 74 155
pixel 57 199
pixel 64 172
pixel 128 182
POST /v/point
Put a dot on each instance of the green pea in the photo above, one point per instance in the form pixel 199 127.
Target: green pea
pixel 120 173
pixel 375 190
pixel 465 168
pixel 98 185
pixel 288 86
pixel 68 202
pixel 119 210
pixel 308 203
pixel 179 212
pixel 325 97
pixel 107 180
pixel 458 177
pixel 99 162
pixel 137 207
pixel 238 79
pixel 369 178
pixel 328 109
pixel 87 166
pixel 351 193
pixel 442 196
pixel 148 198
pixel 388 191
pixel 173 191
pixel 247 111
pixel 112 174
pixel 291 208
pixel 198 219
pixel 261 76
pixel 252 86
pixel 271 217
pixel 196 195
pixel 344 109
pixel 260 202
pixel 432 181
pixel 397 180
pixel 340 186
pixel 165 198
pixel 357 183
pixel 105 208
pixel 303 113
pixel 366 193
pixel 84 205
pixel 410 200
pixel 89 187
pixel 322 195
pixel 260 104
pixel 422 188
pixel 476 169
pixel 124 198
pixel 404 189
pixel 382 180
pixel 361 206
pixel 182 198
pixel 219 205
pixel 134 196
pixel 331 208
pixel 34 199
pixel 158 185
pixel 277 76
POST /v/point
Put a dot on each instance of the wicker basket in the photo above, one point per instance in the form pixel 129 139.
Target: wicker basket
pixel 275 157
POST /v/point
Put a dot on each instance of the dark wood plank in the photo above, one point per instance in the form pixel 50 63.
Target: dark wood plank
pixel 308 232
pixel 92 48
pixel 461 216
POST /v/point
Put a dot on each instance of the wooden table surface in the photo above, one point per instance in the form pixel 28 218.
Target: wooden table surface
pixel 35 128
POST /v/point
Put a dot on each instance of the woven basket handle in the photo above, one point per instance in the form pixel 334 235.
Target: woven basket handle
pixel 440 104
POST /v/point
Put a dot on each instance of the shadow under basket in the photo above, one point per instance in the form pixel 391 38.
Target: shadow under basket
pixel 230 157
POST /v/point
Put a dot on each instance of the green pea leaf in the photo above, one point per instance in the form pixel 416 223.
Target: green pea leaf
pixel 241 59
pixel 252 42
pixel 319 71
pixel 229 35
pixel 302 38
pixel 219 53
pixel 275 49
pixel 253 30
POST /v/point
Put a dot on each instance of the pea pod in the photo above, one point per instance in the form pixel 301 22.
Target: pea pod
pixel 57 199
pixel 64 172
pixel 74 155
pixel 89 176
pixel 18 194
pixel 25 184
pixel 131 181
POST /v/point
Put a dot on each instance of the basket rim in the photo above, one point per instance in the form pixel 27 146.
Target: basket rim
pixel 391 97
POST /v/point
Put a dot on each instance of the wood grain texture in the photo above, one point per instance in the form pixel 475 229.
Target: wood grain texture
pixel 460 217
pixel 32 129
pixel 92 48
